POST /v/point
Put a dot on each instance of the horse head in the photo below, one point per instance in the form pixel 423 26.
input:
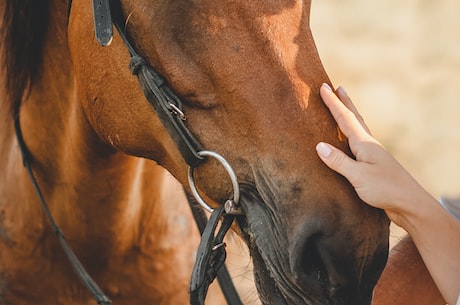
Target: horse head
pixel 248 74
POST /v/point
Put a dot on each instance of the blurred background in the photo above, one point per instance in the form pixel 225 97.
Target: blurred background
pixel 400 63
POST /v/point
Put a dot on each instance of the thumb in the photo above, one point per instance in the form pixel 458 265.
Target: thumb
pixel 336 159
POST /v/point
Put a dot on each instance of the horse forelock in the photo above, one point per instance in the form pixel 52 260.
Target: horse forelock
pixel 24 26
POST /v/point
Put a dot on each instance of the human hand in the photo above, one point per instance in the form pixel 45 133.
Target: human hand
pixel 377 177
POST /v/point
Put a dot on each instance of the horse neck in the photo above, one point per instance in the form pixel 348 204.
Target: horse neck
pixel 90 188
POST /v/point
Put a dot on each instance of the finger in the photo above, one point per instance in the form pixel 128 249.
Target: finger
pixel 336 160
pixel 344 117
pixel 346 100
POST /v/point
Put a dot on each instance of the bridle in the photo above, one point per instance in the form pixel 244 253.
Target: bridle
pixel 211 252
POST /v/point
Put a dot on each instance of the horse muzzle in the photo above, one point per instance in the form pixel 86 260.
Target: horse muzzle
pixel 315 265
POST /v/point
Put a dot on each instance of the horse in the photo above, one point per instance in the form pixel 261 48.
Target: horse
pixel 406 279
pixel 248 74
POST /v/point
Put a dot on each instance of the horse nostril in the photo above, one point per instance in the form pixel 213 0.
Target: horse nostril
pixel 309 264
pixel 313 265
pixel 333 264
pixel 306 262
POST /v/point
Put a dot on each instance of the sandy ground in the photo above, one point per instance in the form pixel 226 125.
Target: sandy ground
pixel 400 62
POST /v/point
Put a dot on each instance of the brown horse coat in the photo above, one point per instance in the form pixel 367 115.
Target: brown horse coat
pixel 249 74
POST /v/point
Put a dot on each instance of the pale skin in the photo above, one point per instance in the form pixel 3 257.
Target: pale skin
pixel 382 182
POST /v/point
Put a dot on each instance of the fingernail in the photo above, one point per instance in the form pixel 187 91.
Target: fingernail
pixel 323 149
pixel 327 86
pixel 342 91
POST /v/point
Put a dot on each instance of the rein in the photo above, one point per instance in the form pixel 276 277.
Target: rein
pixel 87 280
pixel 211 252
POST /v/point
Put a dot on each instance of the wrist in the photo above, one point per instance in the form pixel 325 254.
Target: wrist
pixel 419 212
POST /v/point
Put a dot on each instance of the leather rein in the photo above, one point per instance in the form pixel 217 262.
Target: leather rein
pixel 211 252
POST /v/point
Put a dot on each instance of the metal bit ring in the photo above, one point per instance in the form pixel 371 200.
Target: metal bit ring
pixel 231 174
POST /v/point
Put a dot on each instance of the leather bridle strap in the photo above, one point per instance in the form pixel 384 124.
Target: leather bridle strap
pixel 166 103
pixel 84 276
pixel 168 107
pixel 211 255
pixel 102 21
pixel 223 275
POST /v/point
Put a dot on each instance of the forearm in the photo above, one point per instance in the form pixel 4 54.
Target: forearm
pixel 406 279
pixel 437 237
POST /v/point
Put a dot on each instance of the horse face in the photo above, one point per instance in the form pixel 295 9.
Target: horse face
pixel 249 75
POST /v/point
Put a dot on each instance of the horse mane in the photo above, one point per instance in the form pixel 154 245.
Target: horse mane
pixel 24 27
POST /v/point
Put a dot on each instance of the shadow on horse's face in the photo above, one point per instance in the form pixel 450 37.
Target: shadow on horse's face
pixel 249 75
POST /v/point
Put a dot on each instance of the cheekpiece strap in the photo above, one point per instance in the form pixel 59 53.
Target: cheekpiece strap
pixel 210 256
pixel 102 21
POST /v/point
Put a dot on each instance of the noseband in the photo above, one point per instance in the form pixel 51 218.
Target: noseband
pixel 211 252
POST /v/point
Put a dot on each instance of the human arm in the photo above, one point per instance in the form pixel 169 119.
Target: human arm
pixel 382 182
